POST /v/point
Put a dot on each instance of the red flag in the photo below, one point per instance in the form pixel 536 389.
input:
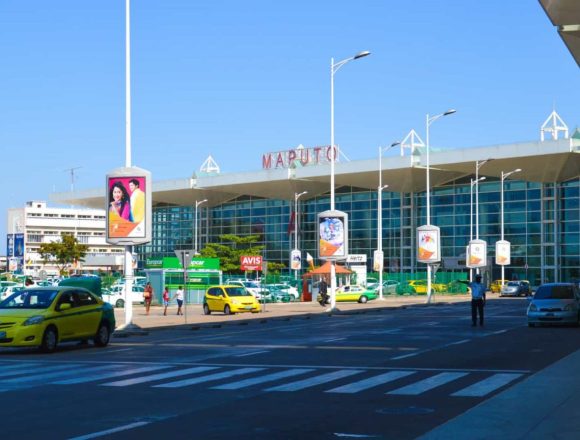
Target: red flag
pixel 292 222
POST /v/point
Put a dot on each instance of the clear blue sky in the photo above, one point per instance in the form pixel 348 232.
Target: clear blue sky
pixel 237 79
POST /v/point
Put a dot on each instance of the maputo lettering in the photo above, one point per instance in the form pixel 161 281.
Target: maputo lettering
pixel 303 156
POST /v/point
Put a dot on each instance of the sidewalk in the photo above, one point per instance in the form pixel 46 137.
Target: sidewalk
pixel 194 317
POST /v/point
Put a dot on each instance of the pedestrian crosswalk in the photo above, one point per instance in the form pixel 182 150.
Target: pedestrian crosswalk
pixel 267 379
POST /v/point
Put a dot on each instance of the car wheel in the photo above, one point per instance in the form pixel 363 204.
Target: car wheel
pixel 49 340
pixel 120 303
pixel 103 335
pixel 363 299
pixel 531 324
pixel 206 310
pixel 227 310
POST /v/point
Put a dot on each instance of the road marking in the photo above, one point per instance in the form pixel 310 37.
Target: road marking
pixel 252 353
pixel 361 385
pixel 335 339
pixel 313 381
pixel 196 380
pixel 268 378
pixel 486 386
pixel 14 367
pixel 69 371
pixel 110 374
pixel 38 368
pixel 427 384
pixel 463 341
pixel 159 376
pixel 110 431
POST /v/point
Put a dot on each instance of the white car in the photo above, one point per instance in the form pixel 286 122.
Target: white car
pixel 116 296
pixel 292 291
pixel 9 289
pixel 251 286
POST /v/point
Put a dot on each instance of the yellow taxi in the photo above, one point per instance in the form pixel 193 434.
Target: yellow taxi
pixel 45 316
pixel 496 285
pixel 420 286
pixel 229 299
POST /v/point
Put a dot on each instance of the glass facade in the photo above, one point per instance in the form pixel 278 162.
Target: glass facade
pixel 542 222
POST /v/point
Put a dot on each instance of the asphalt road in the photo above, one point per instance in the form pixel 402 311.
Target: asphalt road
pixel 389 374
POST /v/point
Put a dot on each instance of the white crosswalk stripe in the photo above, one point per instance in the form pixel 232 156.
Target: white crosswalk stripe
pixel 371 382
pixel 13 367
pixel 427 384
pixel 159 376
pixel 217 376
pixel 488 385
pixel 263 379
pixel 314 381
pixel 109 374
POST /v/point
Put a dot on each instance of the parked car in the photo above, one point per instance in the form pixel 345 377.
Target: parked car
pixel 6 291
pixel 292 291
pixel 555 303
pixel 45 316
pixel 229 299
pixel 390 287
pixel 278 294
pixel 116 295
pixel 261 293
pixel 495 286
pixel 353 293
pixel 516 288
pixel 420 286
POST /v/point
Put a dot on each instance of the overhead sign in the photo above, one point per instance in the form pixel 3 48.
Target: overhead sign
pixel 502 253
pixel 356 258
pixel 128 206
pixel 303 156
pixel 428 244
pixel 476 254
pixel 333 235
pixel 251 262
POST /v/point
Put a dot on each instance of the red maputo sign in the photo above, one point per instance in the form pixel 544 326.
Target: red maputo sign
pixel 306 157
pixel 251 262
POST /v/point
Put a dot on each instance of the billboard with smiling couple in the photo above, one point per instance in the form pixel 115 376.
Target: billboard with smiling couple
pixel 128 206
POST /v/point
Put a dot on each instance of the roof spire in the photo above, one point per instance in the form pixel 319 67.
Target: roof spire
pixel 553 125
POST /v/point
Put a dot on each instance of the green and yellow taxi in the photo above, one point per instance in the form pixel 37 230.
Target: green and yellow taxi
pixel 420 286
pixel 353 294
pixel 495 286
pixel 43 317
pixel 229 299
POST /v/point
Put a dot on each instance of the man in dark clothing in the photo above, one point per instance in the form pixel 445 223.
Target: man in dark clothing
pixel 323 290
pixel 477 299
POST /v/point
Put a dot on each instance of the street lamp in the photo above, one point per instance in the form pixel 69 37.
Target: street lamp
pixel 333 69
pixel 503 177
pixel 197 203
pixel 473 183
pixel 380 216
pixel 296 225
pixel 428 121
pixel 380 237
pixel 478 165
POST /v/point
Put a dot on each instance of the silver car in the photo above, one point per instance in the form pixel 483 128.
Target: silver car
pixel 555 303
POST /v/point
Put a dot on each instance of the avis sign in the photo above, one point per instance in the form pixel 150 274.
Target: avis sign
pixel 251 262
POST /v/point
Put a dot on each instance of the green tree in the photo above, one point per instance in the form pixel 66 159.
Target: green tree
pixel 64 252
pixel 231 247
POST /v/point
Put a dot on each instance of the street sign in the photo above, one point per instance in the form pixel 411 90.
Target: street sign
pixel 251 262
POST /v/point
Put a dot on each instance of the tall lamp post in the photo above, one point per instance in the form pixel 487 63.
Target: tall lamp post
pixel 478 165
pixel 297 225
pixel 333 69
pixel 428 121
pixel 473 183
pixel 197 203
pixel 380 216
pixel 503 177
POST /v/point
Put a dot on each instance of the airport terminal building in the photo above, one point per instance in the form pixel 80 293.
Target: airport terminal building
pixel 541 205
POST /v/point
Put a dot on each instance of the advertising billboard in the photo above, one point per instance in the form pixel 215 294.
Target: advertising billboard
pixel 251 262
pixel 428 246
pixel 128 206
pixel 296 260
pixel 476 254
pixel 333 235
pixel 502 253
pixel 378 257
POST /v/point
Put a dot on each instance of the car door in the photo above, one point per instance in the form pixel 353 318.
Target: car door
pixel 88 311
pixel 66 319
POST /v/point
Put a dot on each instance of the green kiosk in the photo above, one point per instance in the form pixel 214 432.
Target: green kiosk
pixel 167 272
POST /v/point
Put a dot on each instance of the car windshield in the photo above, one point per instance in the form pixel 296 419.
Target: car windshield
pixel 554 292
pixel 513 284
pixel 237 291
pixel 29 299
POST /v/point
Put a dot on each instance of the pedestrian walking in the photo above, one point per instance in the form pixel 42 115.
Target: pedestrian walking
pixel 179 298
pixel 165 300
pixel 323 290
pixel 148 297
pixel 477 299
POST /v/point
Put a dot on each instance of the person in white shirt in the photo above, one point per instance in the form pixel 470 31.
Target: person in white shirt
pixel 179 298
